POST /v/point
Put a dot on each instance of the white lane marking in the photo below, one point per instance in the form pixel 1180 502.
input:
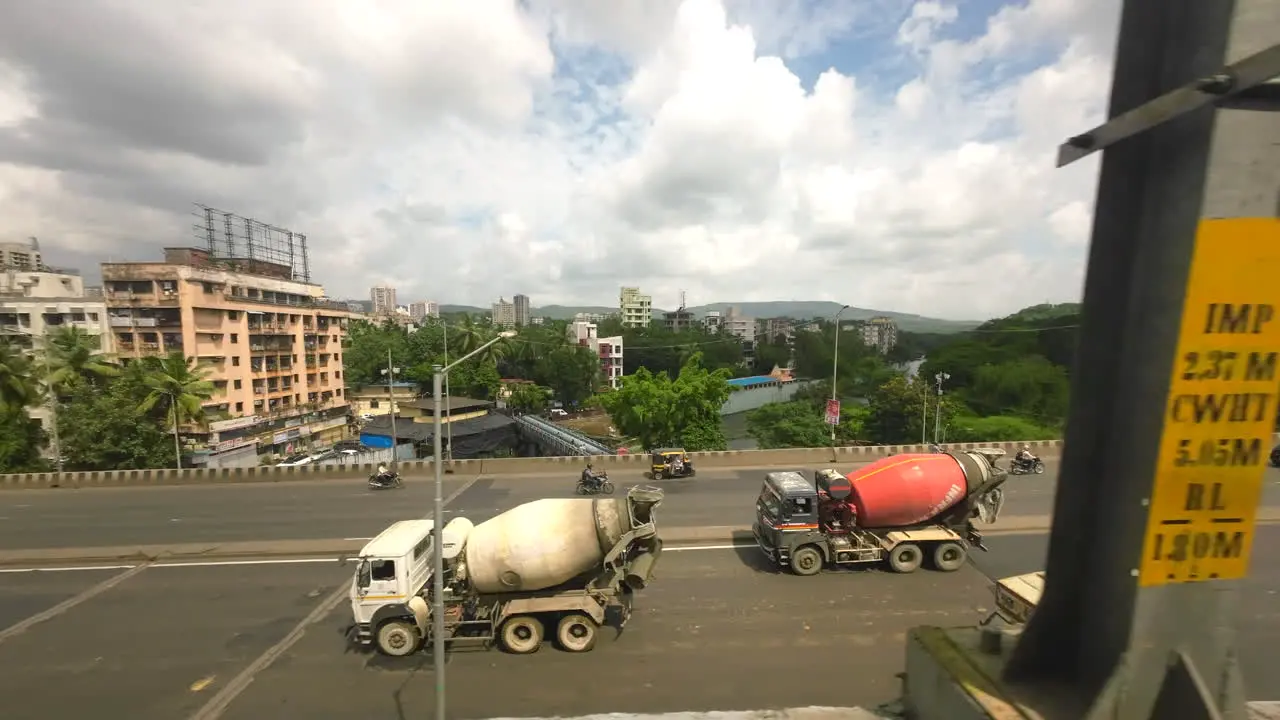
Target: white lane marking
pixel 229 692
pixel 355 539
pixel 70 603
pixel 276 561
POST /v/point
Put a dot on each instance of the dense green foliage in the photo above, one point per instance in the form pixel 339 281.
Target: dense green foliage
pixel 109 417
pixel 802 423
pixel 659 411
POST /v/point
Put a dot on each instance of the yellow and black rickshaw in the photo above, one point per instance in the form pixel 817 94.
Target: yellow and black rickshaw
pixel 670 462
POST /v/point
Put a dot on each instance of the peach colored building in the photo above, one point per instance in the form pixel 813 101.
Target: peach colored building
pixel 273 346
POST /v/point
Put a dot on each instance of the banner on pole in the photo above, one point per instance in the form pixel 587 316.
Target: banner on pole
pixel 833 412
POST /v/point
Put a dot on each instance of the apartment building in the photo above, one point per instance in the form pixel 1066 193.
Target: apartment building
pixel 679 320
pixel 608 349
pixel 771 329
pixel 591 317
pixel 740 326
pixel 522 310
pixel 713 322
pixel 383 300
pixel 504 314
pixel 635 309
pixel 272 345
pixel 36 302
pixel 22 256
pixel 424 309
pixel 880 333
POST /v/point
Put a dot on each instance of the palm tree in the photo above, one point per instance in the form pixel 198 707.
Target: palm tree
pixel 467 336
pixel 73 356
pixel 17 379
pixel 182 386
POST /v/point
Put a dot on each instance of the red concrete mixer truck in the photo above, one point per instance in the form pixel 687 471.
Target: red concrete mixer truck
pixel 906 510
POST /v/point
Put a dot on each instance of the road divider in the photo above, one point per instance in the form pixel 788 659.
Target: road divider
pixel 726 459
pixel 674 538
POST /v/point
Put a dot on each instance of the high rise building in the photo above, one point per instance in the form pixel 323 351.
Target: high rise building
pixel 636 309
pixel 522 310
pixel 272 346
pixel 504 314
pixel 384 299
pixel 880 333
pixel 21 256
pixel 423 309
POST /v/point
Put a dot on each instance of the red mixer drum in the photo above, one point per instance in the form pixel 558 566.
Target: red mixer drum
pixel 906 489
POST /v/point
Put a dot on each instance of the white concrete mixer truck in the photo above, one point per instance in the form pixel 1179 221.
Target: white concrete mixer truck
pixel 554 566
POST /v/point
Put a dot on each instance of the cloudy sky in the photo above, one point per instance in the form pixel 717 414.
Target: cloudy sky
pixel 888 154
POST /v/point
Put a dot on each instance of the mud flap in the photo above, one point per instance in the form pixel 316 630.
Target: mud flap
pixel 421 614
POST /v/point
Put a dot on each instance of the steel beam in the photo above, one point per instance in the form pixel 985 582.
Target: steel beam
pixel 1096 633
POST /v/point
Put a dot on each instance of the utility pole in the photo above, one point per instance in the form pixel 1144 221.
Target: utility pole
pixel 448 449
pixel 390 372
pixel 924 409
pixel 1154 514
pixel 835 367
pixel 937 413
pixel 53 410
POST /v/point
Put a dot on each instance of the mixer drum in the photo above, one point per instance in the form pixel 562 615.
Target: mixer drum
pixel 543 543
pixel 904 490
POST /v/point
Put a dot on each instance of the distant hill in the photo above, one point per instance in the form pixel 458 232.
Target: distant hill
pixel 797 310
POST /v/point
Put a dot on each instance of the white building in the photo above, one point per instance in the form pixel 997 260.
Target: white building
pixel 383 298
pixel 504 314
pixel 713 322
pixel 739 326
pixel 608 349
pixel 424 309
pixel 635 308
pixel 590 317
pixel 880 333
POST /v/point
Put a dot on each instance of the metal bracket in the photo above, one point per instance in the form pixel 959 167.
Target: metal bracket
pixel 1244 85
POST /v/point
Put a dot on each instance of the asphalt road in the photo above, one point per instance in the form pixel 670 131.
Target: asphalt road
pixel 716 630
pixel 344 508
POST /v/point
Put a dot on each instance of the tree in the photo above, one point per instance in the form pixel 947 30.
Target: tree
pixel 529 398
pixel 17 379
pixel 21 441
pixel 474 379
pixel 770 353
pixel 75 357
pixel 860 369
pixel 100 428
pixel 897 409
pixel 571 372
pixel 684 412
pixel 802 423
pixel 180 386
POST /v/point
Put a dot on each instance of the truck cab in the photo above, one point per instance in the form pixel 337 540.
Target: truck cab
pixel 1016 598
pixel 389 589
pixel 788 531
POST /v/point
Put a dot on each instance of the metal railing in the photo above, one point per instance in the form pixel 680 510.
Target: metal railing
pixel 561 440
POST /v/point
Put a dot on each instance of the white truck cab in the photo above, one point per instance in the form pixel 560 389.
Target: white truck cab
pixel 391 582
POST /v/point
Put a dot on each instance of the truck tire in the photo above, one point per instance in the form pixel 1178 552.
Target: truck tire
pixel 806 561
pixel 576 633
pixel 522 635
pixel 949 556
pixel 905 558
pixel 398 638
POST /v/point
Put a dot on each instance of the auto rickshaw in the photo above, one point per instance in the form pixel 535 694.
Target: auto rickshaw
pixel 670 462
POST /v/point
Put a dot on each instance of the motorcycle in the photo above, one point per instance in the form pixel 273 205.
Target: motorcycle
pixel 385 482
pixel 602 486
pixel 1030 466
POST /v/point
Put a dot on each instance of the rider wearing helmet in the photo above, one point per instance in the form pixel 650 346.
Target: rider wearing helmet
pixel 589 476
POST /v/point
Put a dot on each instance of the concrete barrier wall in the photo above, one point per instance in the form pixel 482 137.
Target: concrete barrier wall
pixel 780 458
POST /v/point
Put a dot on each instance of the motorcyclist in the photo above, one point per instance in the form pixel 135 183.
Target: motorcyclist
pixel 589 477
pixel 384 475
pixel 1024 456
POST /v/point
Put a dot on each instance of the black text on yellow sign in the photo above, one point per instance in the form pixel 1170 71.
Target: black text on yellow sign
pixel 1221 408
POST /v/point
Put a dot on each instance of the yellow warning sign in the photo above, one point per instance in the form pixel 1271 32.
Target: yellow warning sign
pixel 1221 409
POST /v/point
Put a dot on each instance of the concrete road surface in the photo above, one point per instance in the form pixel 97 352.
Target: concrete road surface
pixel 716 630
pixel 345 508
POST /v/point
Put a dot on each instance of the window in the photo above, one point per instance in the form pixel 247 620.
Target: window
pixel 237 385
pixel 235 361
pixel 239 405
pixel 373 404
pixel 233 314
pixel 383 569
pixel 801 506
pixel 423 547
pixel 235 337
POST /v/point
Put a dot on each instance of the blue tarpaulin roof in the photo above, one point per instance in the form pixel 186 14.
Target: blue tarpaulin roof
pixel 753 381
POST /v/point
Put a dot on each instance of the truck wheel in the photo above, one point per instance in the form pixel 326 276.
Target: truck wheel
pixel 521 635
pixel 398 638
pixel 806 561
pixel 905 558
pixel 576 633
pixel 949 556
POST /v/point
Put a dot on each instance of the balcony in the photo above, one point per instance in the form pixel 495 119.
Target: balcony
pixel 163 299
pixel 269 328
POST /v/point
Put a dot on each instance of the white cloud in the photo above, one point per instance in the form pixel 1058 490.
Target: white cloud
pixel 560 150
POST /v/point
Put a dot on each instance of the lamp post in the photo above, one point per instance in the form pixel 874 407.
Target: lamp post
pixel 835 366
pixel 444 326
pixel 53 411
pixel 924 411
pixel 937 413
pixel 437 527
pixel 391 373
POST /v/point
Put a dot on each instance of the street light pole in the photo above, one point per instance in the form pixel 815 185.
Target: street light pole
pixel 937 413
pixel 53 413
pixel 438 378
pixel 447 393
pixel 835 367
pixel 390 372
